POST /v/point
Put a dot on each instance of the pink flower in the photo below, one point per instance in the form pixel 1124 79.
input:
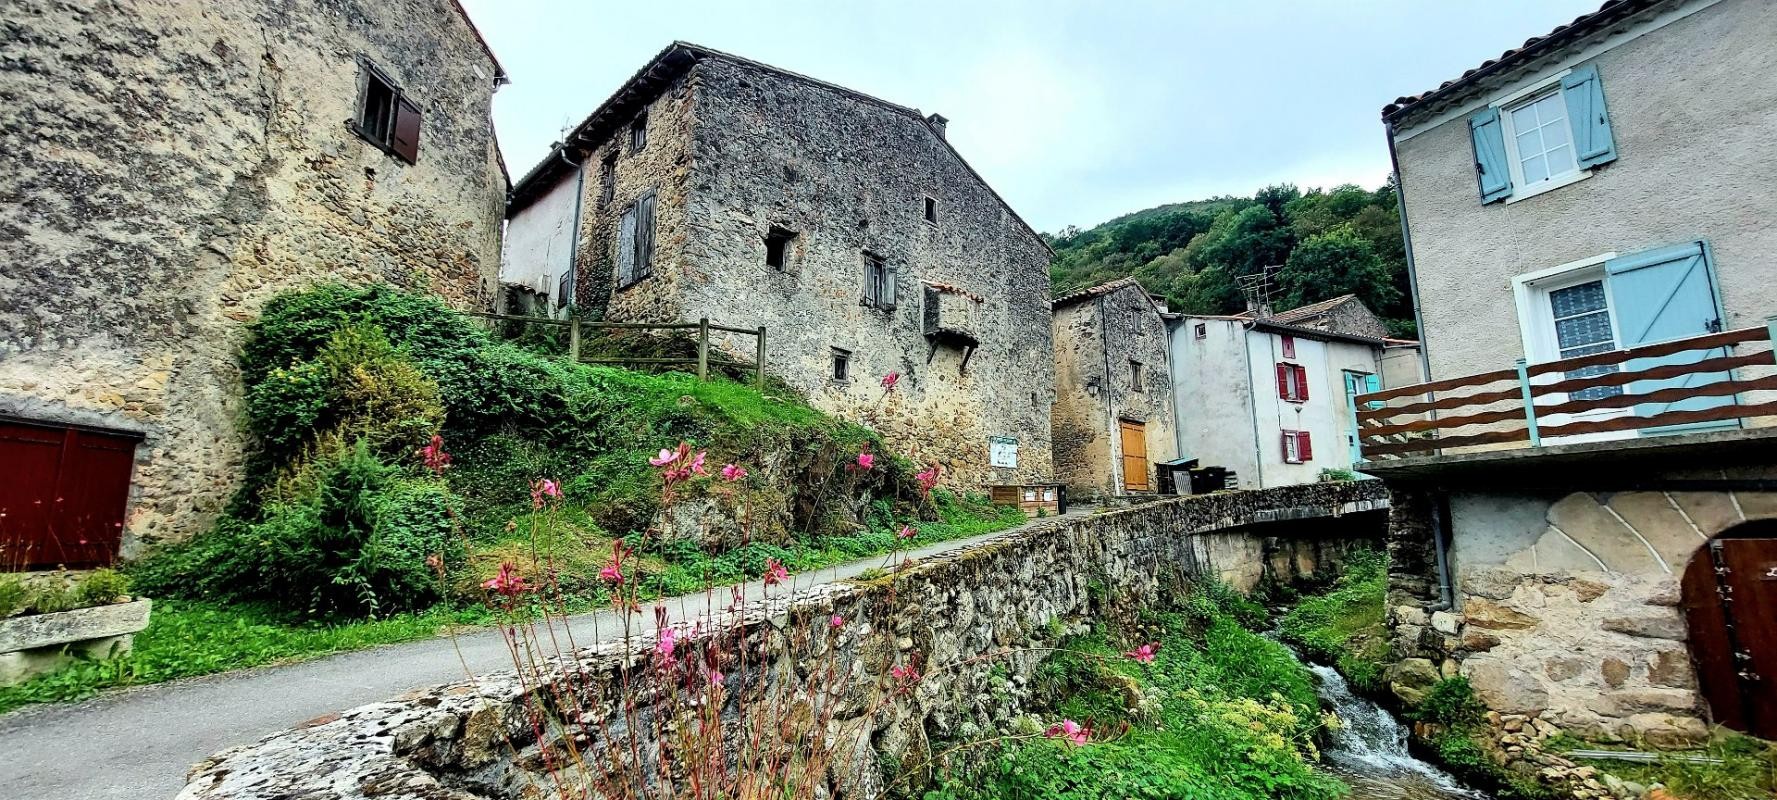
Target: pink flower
pixel 1145 653
pixel 611 574
pixel 1070 731
pixel 775 572
pixel 889 381
pixel 837 621
pixel 507 582
pixel 866 461
pixel 665 645
pixel 905 675
pixel 666 457
pixel 434 457
pixel 907 532
pixel 716 678
pixel 696 467
pixel 544 489
pixel 928 478
pixel 733 472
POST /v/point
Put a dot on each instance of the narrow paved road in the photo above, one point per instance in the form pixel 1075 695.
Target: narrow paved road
pixel 137 744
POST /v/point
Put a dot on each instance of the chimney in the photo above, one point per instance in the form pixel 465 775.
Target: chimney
pixel 937 121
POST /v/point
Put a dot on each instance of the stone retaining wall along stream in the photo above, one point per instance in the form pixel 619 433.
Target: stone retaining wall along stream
pixel 988 609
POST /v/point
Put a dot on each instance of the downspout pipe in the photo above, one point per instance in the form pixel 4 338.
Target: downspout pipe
pixel 574 232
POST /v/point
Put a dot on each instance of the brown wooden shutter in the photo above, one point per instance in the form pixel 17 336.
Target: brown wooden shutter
pixel 406 142
pixel 1301 382
pixel 645 236
pixel 1283 381
pixel 1304 446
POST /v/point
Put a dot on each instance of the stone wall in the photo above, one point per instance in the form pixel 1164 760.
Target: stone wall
pixel 973 623
pixel 1567 604
pixel 1097 343
pixel 170 165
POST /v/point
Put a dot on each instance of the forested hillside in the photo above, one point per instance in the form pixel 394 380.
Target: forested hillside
pixel 1328 243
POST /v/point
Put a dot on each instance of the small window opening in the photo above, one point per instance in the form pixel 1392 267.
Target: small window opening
pixel 1136 375
pixel 638 133
pixel 1202 330
pixel 841 364
pixel 386 118
pixel 777 247
pixel 1289 346
pixel 608 179
pixel 879 282
pixel 931 210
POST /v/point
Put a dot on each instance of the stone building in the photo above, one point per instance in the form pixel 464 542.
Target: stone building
pixel 1584 522
pixel 167 167
pixel 712 186
pixel 1113 415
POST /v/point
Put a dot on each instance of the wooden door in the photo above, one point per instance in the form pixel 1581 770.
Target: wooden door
pixel 1730 588
pixel 1135 455
pixel 63 492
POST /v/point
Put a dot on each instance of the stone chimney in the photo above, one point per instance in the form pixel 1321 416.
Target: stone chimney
pixel 937 121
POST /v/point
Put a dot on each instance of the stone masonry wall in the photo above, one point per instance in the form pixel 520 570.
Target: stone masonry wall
pixel 1096 344
pixel 969 621
pixel 849 175
pixel 170 165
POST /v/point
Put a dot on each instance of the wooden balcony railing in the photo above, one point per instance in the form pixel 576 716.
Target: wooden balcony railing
pixel 1713 378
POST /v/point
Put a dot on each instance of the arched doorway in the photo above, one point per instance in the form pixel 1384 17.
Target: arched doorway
pixel 1730 602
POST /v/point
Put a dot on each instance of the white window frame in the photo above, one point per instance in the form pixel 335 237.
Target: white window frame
pixel 1292 447
pixel 1518 98
pixel 1536 326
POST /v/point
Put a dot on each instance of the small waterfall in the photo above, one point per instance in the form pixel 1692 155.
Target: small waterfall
pixel 1369 750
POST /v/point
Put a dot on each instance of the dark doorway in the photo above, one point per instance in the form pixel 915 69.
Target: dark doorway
pixel 1730 588
pixel 63 491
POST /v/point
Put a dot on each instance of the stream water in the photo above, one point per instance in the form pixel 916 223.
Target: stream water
pixel 1369 751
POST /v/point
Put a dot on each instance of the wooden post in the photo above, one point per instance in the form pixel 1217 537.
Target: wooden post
pixel 1536 439
pixel 759 361
pixel 703 349
pixel 574 342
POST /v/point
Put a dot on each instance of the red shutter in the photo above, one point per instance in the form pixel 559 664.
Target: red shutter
pixel 406 142
pixel 1304 446
pixel 1283 381
pixel 1289 347
pixel 1301 382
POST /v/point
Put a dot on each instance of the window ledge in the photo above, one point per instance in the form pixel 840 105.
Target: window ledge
pixel 1527 192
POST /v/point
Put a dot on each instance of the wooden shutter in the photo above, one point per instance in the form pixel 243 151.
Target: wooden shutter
pixel 1490 155
pixel 1586 115
pixel 888 286
pixel 1304 446
pixel 1301 381
pixel 1283 381
pixel 645 236
pixel 1285 443
pixel 626 248
pixel 1660 295
pixel 1371 386
pixel 1289 347
pixel 406 141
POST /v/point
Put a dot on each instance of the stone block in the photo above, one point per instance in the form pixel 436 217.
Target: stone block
pixel 1445 622
pixel 1582 518
pixel 1671 669
pixel 1615 671
pixel 1634 701
pixel 1492 583
pixel 1658 521
pixel 1665 731
pixel 1417 673
pixel 1712 512
pixel 1649 624
pixel 1482 613
pixel 64 627
pixel 1409 615
pixel 1563 668
pixel 1504 687
pixel 1476 640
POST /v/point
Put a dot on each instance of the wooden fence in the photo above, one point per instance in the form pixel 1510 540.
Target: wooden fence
pixel 1685 382
pixel 703 360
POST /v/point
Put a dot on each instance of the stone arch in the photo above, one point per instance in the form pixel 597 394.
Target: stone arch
pixel 1638 532
pixel 1726 592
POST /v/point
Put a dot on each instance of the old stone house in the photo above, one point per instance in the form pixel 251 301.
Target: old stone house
pixel 1268 396
pixel 1113 414
pixel 167 167
pixel 1582 522
pixel 713 186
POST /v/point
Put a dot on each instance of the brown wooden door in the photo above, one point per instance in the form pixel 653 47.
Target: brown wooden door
pixel 1730 589
pixel 62 495
pixel 1135 455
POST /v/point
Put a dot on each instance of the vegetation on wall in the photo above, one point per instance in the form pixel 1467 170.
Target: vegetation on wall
pixel 1209 709
pixel 1325 242
pixel 1346 627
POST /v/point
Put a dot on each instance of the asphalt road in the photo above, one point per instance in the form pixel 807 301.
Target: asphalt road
pixel 137 744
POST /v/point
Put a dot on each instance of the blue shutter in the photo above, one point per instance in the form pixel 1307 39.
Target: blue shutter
pixel 1592 141
pixel 1490 155
pixel 1660 295
pixel 1372 386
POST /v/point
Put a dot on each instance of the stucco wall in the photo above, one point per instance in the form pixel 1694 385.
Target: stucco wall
pixel 849 175
pixel 1692 108
pixel 170 165
pixel 539 242
pixel 1213 395
pixel 1108 333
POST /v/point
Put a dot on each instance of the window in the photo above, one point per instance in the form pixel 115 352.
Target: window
pixel 564 290
pixel 1289 347
pixel 1135 375
pixel 1202 331
pixel 1292 382
pixel 931 210
pixel 635 242
pixel 1581 317
pixel 1542 137
pixel 1297 447
pixel 386 118
pixel 841 364
pixel 638 134
pixel 879 282
pixel 777 247
pixel 608 179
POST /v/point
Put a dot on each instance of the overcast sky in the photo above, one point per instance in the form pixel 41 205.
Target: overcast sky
pixel 1075 111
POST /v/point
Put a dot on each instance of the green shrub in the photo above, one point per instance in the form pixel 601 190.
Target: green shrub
pixel 357 387
pixel 13 595
pixel 1345 626
pixel 102 586
pixel 49 597
pixel 1450 702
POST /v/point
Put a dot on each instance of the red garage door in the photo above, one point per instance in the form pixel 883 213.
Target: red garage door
pixel 62 494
